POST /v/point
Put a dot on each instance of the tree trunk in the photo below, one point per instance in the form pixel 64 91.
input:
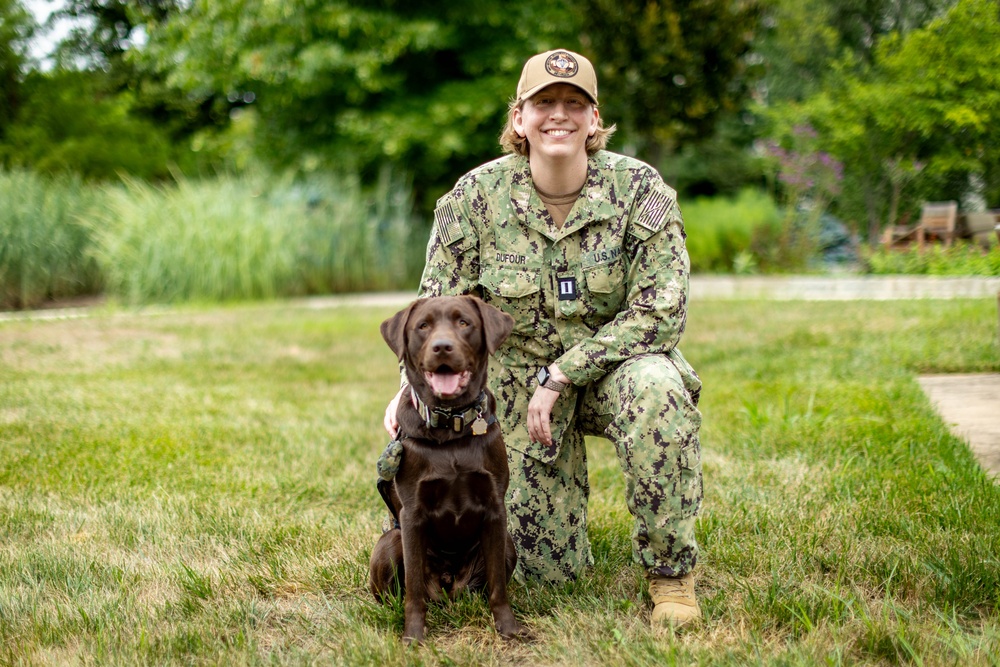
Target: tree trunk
pixel 897 191
pixel 871 206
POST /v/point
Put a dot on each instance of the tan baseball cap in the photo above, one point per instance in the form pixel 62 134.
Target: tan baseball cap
pixel 558 66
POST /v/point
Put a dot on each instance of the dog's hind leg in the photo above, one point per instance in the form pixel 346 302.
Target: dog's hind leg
pixel 385 569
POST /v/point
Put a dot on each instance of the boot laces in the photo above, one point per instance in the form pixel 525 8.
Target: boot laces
pixel 669 587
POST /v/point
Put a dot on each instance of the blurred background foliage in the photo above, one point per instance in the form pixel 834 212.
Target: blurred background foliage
pixel 899 100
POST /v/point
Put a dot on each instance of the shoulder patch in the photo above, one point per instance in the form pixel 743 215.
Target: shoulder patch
pixel 448 227
pixel 653 210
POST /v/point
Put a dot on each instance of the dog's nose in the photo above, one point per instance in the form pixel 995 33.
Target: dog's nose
pixel 442 346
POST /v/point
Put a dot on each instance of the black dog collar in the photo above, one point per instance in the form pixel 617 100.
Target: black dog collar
pixel 457 419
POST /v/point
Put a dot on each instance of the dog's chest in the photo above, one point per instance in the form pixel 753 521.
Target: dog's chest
pixel 454 493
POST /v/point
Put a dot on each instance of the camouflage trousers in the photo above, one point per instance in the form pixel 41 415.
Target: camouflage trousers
pixel 645 410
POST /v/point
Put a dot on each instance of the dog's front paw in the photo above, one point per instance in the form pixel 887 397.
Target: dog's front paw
pixel 510 629
pixel 413 635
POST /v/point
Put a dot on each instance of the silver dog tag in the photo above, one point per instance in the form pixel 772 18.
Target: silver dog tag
pixel 479 426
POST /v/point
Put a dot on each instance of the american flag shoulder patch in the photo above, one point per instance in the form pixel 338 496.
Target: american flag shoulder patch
pixel 447 224
pixel 653 210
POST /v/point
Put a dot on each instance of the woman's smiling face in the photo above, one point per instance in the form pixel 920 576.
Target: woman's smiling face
pixel 557 121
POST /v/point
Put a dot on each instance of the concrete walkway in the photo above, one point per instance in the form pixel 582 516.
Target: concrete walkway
pixel 842 288
pixel 778 288
pixel 970 405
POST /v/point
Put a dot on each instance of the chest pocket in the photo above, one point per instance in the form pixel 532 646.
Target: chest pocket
pixel 606 286
pixel 510 283
pixel 605 278
pixel 514 291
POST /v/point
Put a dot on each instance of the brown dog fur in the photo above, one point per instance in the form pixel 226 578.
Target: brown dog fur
pixel 449 491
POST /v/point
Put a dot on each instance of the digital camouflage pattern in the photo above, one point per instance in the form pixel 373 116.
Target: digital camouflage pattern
pixel 643 407
pixel 388 463
pixel 621 266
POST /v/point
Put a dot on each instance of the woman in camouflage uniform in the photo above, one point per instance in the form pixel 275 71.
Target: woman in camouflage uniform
pixel 585 249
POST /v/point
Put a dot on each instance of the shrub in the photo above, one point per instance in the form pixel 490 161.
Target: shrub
pixel 961 259
pixel 254 237
pixel 43 245
pixel 720 230
pixel 357 240
pixel 210 240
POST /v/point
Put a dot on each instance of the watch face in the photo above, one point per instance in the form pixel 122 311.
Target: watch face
pixel 543 375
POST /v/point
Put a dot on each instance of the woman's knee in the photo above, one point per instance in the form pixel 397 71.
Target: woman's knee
pixel 648 376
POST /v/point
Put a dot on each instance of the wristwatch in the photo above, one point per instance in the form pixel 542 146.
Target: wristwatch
pixel 544 378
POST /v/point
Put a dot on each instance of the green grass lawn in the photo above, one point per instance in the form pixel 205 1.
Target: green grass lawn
pixel 197 487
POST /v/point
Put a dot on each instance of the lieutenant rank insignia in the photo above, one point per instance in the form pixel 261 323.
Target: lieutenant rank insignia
pixel 567 288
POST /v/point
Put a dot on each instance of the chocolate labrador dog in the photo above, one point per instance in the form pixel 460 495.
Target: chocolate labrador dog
pixel 448 493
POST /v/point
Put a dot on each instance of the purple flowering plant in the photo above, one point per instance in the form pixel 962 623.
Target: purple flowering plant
pixel 809 179
pixel 806 174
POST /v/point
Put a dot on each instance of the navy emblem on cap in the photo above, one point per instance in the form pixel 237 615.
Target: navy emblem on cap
pixel 561 64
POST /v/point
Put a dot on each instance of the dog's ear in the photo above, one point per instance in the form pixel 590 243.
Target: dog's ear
pixel 394 330
pixel 497 324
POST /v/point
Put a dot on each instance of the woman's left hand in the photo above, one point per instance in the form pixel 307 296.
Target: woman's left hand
pixel 540 409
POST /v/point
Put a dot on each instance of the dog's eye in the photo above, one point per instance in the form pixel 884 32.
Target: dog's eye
pixel 423 326
pixel 463 323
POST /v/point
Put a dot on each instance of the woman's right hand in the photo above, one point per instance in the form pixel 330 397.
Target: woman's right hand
pixel 391 423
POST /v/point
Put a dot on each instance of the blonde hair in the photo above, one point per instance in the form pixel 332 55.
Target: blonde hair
pixel 512 142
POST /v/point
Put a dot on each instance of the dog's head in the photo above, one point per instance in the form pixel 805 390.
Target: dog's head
pixel 444 343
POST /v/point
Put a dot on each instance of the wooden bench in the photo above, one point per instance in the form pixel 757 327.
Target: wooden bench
pixel 938 221
pixel 980 227
pixel 899 236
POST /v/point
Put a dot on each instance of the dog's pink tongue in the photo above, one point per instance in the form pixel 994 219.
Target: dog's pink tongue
pixel 444 384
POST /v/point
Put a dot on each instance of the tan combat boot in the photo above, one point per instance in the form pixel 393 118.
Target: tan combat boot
pixel 674 601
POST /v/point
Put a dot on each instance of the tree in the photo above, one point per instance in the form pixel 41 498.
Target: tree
pixel 930 99
pixel 802 39
pixel 108 38
pixel 68 124
pixel 16 29
pixel 425 83
pixel 356 84
pixel 105 30
pixel 669 69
